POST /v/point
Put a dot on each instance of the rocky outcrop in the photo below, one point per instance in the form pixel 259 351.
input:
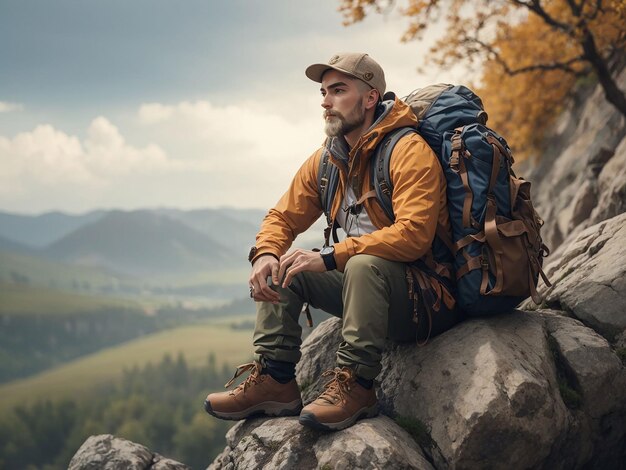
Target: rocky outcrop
pixel 521 390
pixel 107 452
pixel 589 276
pixel 282 443
pixel 542 388
pixel 580 178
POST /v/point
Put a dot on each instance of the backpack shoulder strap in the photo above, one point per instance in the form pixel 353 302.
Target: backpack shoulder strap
pixel 327 179
pixel 380 171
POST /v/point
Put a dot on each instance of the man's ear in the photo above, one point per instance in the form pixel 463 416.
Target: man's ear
pixel 372 99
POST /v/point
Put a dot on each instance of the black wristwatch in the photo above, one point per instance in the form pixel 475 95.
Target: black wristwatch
pixel 254 251
pixel 252 254
pixel 328 256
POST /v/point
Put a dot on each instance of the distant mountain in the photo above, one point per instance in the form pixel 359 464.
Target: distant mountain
pixel 254 216
pixel 141 243
pixel 12 246
pixel 233 228
pixel 131 243
pixel 41 230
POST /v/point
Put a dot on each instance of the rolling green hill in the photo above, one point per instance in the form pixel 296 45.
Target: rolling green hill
pixel 23 299
pixel 41 230
pixel 77 378
pixel 34 270
pixel 140 243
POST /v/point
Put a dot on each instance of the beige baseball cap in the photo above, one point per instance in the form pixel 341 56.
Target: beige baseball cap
pixel 355 64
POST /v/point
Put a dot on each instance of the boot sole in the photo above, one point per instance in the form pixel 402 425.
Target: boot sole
pixel 310 420
pixel 268 408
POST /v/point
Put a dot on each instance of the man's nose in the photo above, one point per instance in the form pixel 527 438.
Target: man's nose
pixel 326 102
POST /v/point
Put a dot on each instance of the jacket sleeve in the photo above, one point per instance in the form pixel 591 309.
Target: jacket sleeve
pixel 294 213
pixel 417 179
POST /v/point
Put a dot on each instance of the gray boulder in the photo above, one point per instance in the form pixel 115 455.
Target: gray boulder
pixel 107 452
pixel 589 278
pixel 518 390
pixel 283 443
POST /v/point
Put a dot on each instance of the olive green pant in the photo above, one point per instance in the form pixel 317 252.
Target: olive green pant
pixel 371 297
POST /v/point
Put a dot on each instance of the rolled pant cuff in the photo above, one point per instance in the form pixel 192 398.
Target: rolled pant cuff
pixel 278 355
pixel 361 370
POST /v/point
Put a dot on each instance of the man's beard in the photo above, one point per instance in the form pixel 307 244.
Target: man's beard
pixel 338 125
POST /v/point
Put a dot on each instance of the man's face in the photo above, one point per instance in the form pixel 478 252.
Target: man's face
pixel 343 103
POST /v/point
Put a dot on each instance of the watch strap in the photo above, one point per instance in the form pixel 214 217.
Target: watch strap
pixel 329 261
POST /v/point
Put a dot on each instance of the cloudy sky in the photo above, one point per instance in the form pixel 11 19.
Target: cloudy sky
pixel 171 103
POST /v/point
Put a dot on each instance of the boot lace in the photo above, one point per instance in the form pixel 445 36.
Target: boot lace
pixel 338 387
pixel 255 367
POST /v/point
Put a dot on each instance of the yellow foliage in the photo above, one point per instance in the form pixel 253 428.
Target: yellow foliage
pixel 531 54
pixel 522 107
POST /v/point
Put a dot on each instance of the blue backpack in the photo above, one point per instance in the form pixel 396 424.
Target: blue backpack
pixel 496 245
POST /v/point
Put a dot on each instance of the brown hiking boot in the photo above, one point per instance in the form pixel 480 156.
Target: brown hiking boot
pixel 342 403
pixel 257 395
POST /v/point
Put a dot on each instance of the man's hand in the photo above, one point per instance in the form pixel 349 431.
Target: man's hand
pixel 262 268
pixel 299 261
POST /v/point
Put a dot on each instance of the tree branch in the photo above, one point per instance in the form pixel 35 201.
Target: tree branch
pixel 575 8
pixel 535 7
pixel 594 14
pixel 564 66
pixel 611 91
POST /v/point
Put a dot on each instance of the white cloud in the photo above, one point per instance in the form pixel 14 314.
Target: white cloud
pixel 44 155
pixel 248 152
pixel 6 107
pixel 203 155
pixel 36 165
pixel 153 113
pixel 107 153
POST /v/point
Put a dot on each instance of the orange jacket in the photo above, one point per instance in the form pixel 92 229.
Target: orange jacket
pixel 418 198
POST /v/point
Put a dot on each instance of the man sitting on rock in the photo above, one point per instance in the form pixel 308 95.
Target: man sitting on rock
pixel 361 279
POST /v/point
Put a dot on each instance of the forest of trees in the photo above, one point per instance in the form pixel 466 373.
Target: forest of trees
pixel 159 406
pixel 34 341
pixel 531 53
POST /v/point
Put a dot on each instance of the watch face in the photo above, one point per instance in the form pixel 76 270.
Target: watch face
pixel 327 250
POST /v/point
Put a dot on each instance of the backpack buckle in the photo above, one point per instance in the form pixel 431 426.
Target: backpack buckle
pixel 484 260
pixel 384 188
pixel 323 183
pixel 484 263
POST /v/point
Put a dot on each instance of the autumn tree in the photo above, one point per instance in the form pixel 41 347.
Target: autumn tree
pixel 531 52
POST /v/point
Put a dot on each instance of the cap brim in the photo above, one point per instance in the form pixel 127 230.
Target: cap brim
pixel 316 71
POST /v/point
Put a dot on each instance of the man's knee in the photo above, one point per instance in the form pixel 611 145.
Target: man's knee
pixel 308 286
pixel 299 284
pixel 368 265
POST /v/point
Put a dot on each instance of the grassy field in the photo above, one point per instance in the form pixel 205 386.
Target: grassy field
pixel 28 299
pixel 45 272
pixel 75 379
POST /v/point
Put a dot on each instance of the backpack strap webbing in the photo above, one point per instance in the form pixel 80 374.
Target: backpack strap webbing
pixel 380 171
pixel 327 179
pixel 382 179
